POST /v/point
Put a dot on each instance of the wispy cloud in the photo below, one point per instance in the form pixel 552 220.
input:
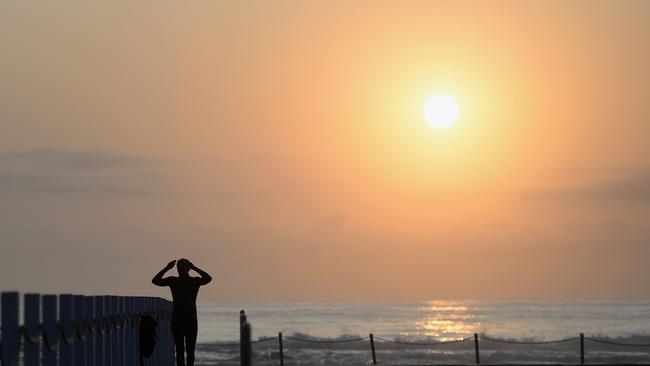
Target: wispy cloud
pixel 620 184
pixel 79 172
pixel 73 159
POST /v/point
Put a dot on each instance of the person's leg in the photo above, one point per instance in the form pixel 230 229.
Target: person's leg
pixel 190 340
pixel 179 341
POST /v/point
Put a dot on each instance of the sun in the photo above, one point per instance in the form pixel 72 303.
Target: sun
pixel 441 111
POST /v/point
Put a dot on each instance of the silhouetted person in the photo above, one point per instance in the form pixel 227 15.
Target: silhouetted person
pixel 184 290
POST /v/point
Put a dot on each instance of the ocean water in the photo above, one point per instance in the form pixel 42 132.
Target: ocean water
pixel 319 333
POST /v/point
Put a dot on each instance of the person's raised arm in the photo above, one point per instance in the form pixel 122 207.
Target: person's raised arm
pixel 205 277
pixel 158 279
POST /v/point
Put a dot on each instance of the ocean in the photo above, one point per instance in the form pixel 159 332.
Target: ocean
pixel 322 333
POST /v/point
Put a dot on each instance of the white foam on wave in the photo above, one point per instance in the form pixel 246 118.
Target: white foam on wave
pixel 313 350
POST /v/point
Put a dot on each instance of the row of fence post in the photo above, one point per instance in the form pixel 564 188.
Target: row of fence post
pixel 246 346
pixel 77 330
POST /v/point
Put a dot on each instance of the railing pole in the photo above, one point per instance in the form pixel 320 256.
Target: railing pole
pixel 50 328
pixel 281 349
pixel 372 347
pixel 10 334
pixel 32 318
pixel 478 358
pixel 582 348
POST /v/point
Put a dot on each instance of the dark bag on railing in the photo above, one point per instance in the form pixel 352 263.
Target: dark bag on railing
pixel 148 336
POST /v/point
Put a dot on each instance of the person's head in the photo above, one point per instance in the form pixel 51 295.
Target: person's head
pixel 183 266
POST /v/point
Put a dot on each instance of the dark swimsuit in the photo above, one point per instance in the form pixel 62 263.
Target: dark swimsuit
pixel 184 322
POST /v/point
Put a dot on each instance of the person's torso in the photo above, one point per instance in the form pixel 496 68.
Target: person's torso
pixel 184 292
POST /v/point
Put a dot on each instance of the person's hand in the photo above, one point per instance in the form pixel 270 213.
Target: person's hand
pixel 171 264
pixel 192 266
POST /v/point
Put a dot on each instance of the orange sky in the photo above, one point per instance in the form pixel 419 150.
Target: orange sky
pixel 280 146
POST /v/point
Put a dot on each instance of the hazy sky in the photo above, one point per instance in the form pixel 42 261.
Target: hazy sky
pixel 279 145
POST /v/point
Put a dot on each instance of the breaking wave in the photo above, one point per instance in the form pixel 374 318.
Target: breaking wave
pixel 305 349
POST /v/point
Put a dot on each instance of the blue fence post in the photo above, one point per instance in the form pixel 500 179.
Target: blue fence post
pixel 139 308
pixel 130 338
pixel 154 309
pixel 150 310
pixel 161 333
pixel 10 335
pixel 101 330
pixel 108 316
pixel 78 318
pixel 161 319
pixel 115 346
pixel 134 332
pixel 65 318
pixel 170 338
pixel 32 318
pixel 165 330
pixel 143 310
pixel 169 344
pixel 120 334
pixel 89 319
pixel 172 344
pixel 51 336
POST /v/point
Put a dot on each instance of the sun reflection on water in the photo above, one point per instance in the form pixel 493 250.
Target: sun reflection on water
pixel 448 320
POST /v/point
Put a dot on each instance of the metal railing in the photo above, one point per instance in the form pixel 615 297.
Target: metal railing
pixel 77 330
pixel 477 339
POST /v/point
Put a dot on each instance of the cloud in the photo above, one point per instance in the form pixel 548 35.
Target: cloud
pixel 78 172
pixel 72 159
pixel 619 184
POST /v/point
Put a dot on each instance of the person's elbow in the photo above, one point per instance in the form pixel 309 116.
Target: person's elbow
pixel 156 281
pixel 207 280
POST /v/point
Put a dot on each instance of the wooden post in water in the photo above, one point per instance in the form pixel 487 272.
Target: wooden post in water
pixel 281 349
pixel 582 348
pixel 478 358
pixel 244 340
pixel 372 347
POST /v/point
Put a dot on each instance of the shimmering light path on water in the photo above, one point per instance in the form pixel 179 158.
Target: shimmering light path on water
pixel 434 320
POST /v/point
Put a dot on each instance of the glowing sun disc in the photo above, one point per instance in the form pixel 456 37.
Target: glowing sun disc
pixel 440 111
